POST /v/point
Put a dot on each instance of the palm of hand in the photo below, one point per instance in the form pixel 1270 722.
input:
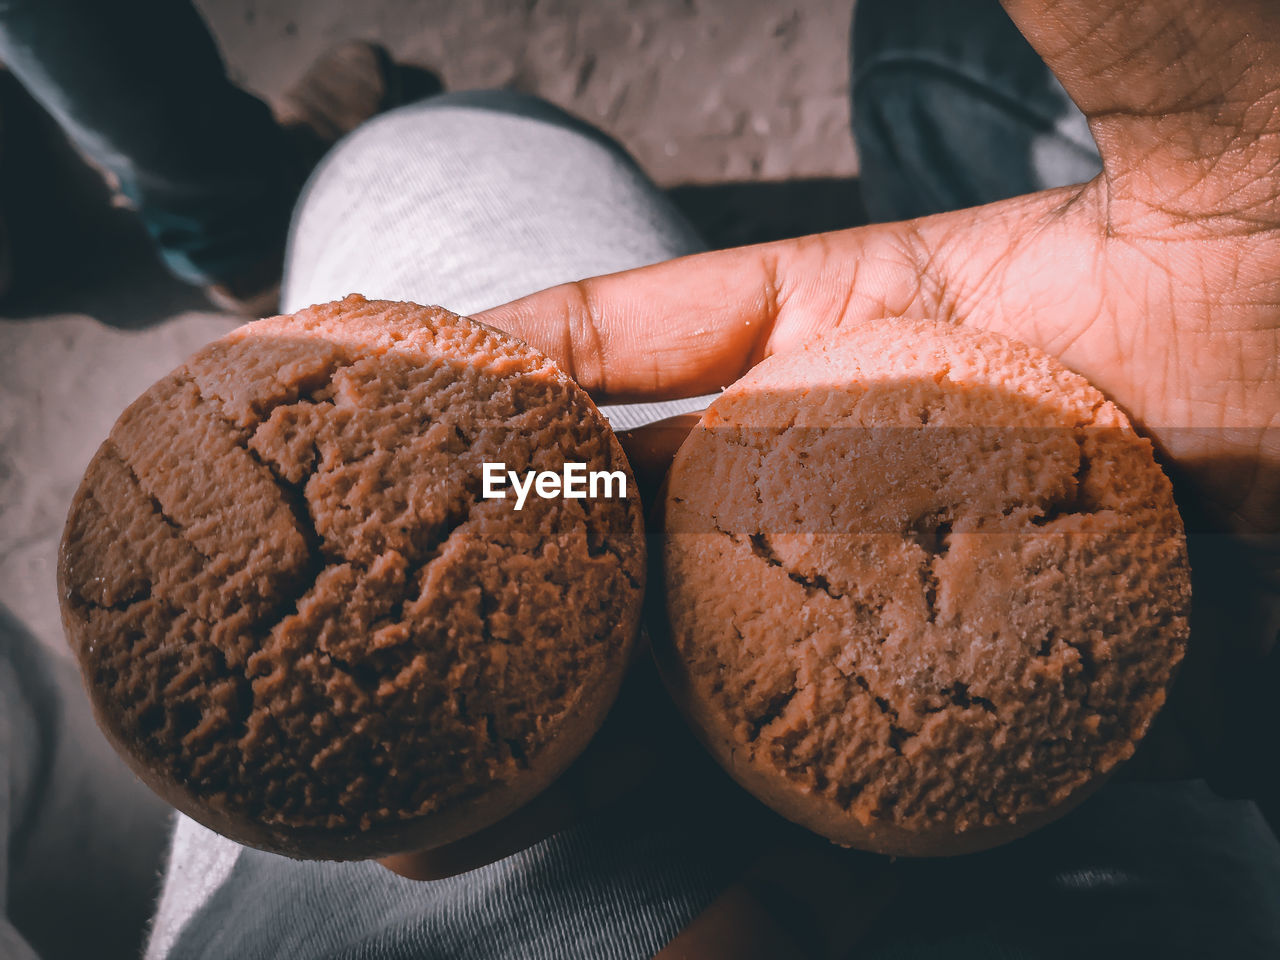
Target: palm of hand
pixel 1180 325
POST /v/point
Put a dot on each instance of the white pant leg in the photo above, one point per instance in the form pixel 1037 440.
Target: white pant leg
pixel 470 200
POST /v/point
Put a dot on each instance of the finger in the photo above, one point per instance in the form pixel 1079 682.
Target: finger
pixel 694 325
pixel 736 926
pixel 1182 95
pixel 598 778
pixel 673 329
pixel 555 809
pixel 805 899
pixel 640 734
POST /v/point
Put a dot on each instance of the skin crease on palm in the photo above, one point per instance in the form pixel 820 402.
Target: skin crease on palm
pixel 1159 280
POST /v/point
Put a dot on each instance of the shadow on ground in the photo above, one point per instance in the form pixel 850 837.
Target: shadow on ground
pixel 733 214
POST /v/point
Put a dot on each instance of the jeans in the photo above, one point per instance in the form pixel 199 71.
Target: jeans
pixel 469 200
pixel 140 88
pixel 952 108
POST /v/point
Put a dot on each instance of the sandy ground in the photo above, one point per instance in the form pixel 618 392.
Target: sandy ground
pixel 698 90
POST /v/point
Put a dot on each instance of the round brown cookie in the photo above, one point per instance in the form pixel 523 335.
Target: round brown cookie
pixel 926 587
pixel 297 617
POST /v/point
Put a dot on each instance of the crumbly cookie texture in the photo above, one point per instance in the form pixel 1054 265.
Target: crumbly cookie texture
pixel 297 617
pixel 926 587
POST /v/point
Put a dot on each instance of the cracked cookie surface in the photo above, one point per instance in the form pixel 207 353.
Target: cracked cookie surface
pixel 926 587
pixel 296 616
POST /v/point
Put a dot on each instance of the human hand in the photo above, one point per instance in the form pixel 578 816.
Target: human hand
pixel 1159 280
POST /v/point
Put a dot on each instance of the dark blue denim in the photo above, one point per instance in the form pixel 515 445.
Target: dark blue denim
pixel 952 108
pixel 140 88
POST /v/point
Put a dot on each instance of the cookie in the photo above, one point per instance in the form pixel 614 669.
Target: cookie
pixel 297 616
pixel 926 588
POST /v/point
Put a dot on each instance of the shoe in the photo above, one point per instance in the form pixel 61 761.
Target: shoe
pixel 344 87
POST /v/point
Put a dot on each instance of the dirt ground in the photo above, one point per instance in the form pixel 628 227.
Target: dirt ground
pixel 700 91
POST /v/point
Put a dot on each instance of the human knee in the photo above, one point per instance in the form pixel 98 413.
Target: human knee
pixel 463 123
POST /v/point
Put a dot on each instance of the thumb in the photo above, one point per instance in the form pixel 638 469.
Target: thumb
pixel 674 329
pixel 694 325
